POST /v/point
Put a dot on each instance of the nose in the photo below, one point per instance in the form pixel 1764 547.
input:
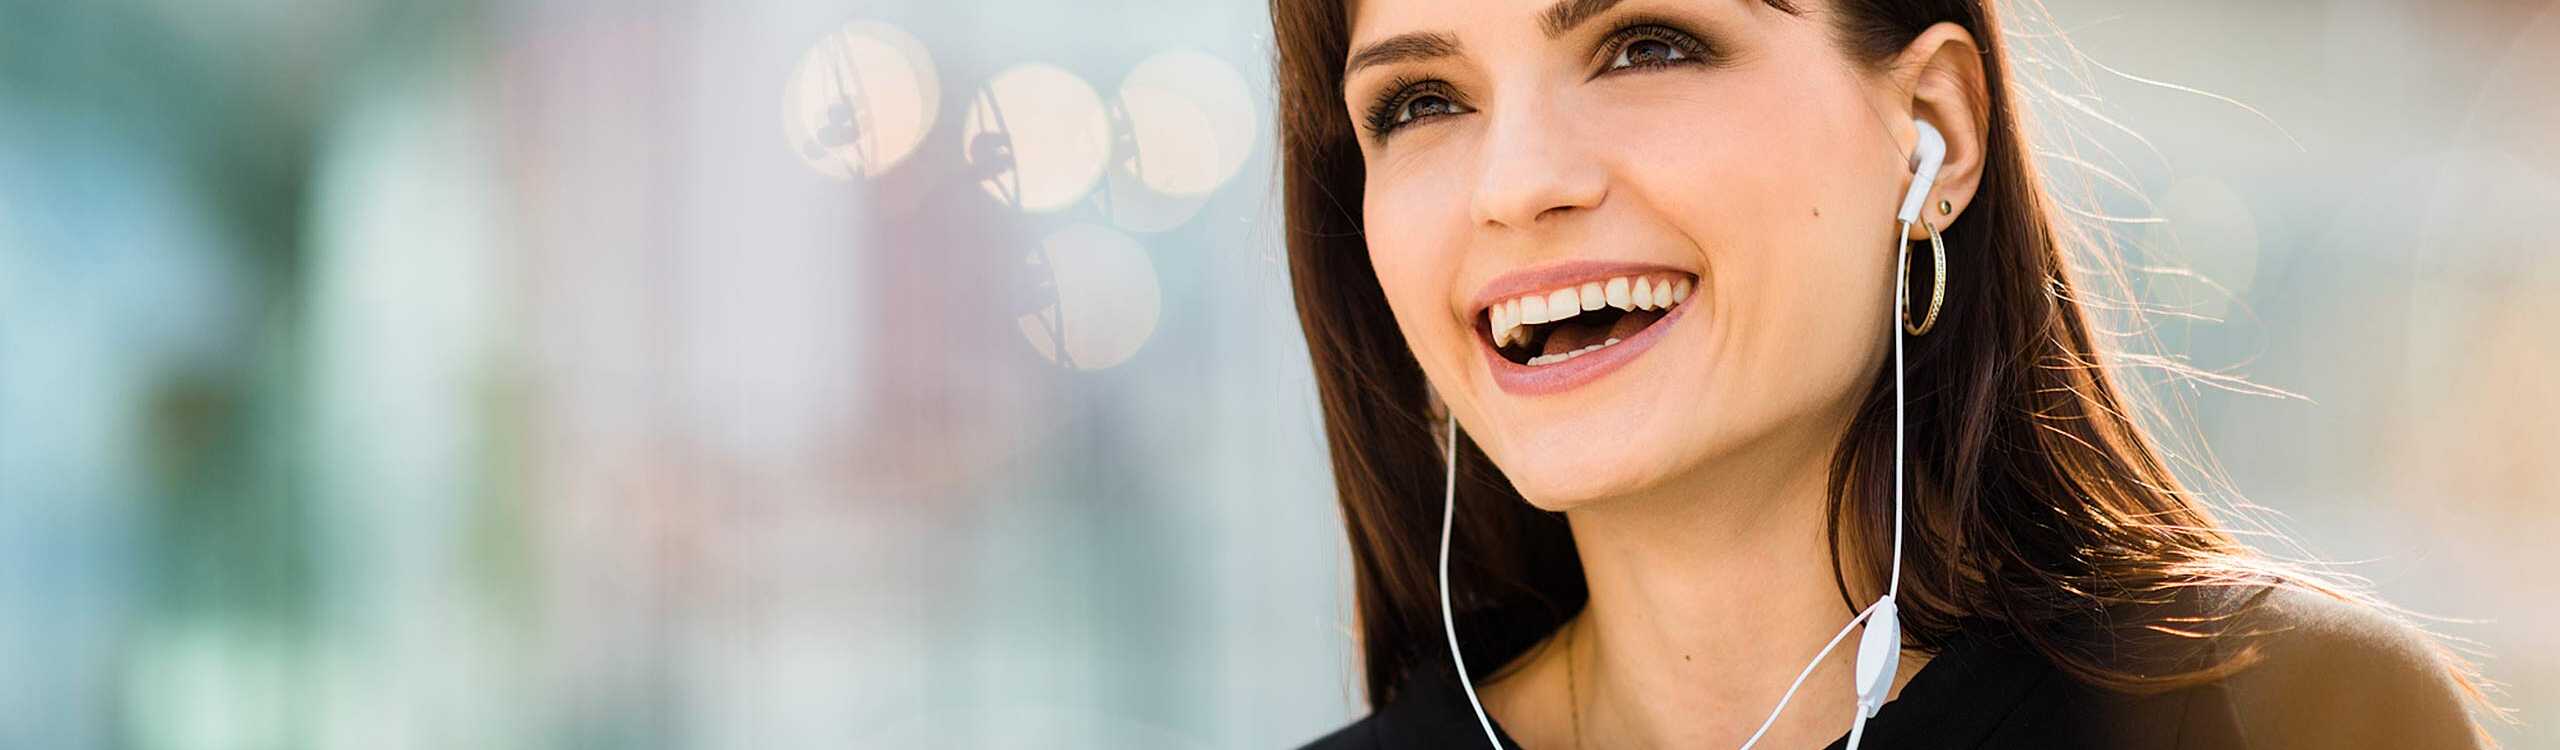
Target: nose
pixel 1534 167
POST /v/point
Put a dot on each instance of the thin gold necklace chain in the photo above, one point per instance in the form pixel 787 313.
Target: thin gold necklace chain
pixel 1573 693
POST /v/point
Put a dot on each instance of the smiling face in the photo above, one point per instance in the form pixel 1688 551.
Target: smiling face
pixel 1636 245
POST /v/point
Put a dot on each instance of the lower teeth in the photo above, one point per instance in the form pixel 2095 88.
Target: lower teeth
pixel 1549 359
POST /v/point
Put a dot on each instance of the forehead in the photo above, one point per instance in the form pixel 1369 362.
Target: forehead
pixel 1374 20
pixel 1371 19
pixel 1365 12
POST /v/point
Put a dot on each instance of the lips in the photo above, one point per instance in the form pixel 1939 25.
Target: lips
pixel 1554 328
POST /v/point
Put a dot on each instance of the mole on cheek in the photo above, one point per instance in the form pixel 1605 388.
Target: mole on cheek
pixel 1817 212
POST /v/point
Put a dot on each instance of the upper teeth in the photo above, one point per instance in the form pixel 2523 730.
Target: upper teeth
pixel 1629 293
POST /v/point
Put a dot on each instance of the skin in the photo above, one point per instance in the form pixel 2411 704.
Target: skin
pixel 1768 167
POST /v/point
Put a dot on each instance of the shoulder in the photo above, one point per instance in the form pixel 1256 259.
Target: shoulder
pixel 2321 671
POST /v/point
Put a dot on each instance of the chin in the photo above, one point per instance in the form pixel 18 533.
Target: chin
pixel 1578 470
pixel 1568 492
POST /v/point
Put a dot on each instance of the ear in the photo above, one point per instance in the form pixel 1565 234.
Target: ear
pixel 1939 78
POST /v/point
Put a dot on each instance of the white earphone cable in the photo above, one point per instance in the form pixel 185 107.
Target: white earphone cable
pixel 1449 623
pixel 1901 302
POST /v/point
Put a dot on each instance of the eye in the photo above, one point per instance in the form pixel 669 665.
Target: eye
pixel 1426 105
pixel 1651 46
pixel 1647 52
pixel 1406 103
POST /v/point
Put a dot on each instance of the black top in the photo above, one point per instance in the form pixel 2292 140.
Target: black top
pixel 2330 675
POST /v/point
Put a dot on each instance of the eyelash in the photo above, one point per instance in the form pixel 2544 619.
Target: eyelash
pixel 1404 91
pixel 1398 94
pixel 1689 46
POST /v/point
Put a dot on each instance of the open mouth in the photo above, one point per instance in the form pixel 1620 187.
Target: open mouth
pixel 1558 325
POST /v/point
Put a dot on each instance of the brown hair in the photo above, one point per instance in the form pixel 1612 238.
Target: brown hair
pixel 2045 500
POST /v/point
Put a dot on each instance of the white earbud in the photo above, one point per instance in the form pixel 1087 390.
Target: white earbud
pixel 1880 648
pixel 1926 157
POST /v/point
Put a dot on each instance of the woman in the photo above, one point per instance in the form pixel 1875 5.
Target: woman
pixel 1644 254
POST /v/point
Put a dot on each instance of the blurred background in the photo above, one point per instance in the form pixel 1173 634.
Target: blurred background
pixel 794 373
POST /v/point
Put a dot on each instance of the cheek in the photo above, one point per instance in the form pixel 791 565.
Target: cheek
pixel 1416 249
pixel 1793 220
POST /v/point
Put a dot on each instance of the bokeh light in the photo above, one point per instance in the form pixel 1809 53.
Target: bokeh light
pixel 1037 137
pixel 861 100
pixel 1193 122
pixel 1099 303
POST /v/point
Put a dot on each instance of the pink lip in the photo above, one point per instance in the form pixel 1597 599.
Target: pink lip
pixel 1523 380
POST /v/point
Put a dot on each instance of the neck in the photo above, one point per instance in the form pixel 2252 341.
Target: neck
pixel 1707 598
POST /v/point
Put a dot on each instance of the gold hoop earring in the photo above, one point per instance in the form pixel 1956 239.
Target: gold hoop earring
pixel 1937 285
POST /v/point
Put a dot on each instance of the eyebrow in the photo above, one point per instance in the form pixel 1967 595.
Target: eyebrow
pixel 1417 46
pixel 1566 14
pixel 1412 46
